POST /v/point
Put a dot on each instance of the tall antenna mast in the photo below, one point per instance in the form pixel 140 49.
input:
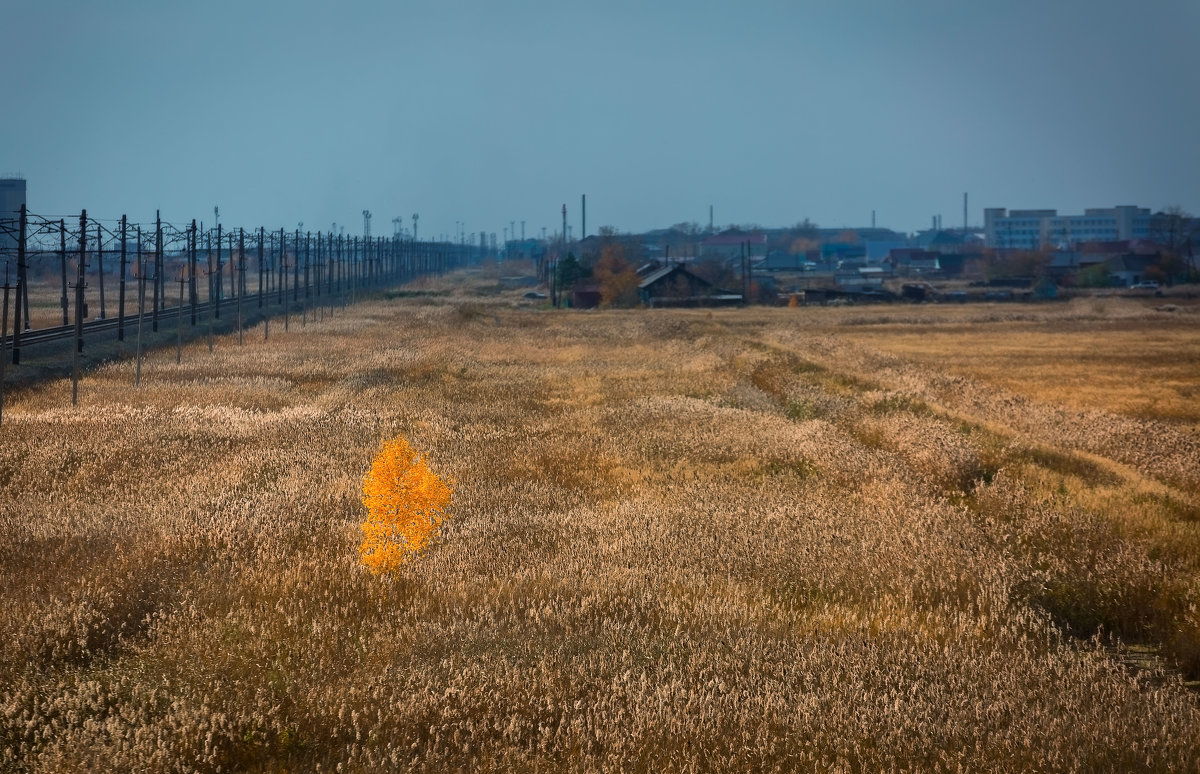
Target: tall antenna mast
pixel 366 224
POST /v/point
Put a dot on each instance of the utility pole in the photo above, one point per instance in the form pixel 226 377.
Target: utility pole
pixel 583 216
pixel 137 376
pixel 241 281
pixel 158 267
pixel 100 266
pixel 179 319
pixel 217 278
pixel 193 291
pixel 121 285
pixel 3 341
pixel 62 254
pixel 366 224
pixel 79 309
pixel 21 288
pixel 415 217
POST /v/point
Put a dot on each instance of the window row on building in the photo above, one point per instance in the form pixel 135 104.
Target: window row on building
pixel 1034 229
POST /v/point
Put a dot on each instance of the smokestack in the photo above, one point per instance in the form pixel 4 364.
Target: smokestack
pixel 583 215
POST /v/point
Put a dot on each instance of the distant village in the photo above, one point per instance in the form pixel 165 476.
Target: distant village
pixel 1017 254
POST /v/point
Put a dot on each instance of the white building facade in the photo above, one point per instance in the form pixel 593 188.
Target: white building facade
pixel 1034 229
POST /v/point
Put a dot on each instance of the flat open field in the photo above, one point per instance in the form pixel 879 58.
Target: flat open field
pixel 897 538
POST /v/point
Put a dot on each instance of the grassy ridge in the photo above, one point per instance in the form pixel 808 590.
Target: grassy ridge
pixel 737 540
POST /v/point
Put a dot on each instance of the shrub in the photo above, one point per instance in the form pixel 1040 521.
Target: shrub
pixel 406 504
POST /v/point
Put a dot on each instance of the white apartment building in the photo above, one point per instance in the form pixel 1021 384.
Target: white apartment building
pixel 1034 229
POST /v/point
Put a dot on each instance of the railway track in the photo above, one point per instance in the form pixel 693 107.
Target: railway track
pixel 34 336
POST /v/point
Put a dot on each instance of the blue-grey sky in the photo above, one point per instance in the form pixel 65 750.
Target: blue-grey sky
pixel 281 111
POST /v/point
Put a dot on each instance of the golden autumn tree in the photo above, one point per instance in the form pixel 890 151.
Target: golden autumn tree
pixel 406 504
pixel 617 277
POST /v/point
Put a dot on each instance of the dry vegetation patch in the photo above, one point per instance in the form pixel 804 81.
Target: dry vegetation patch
pixel 802 539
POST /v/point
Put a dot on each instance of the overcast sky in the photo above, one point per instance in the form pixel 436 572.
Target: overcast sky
pixel 487 112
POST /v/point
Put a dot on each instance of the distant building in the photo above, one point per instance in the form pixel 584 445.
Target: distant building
pixel 1034 229
pixel 729 245
pixel 877 251
pixel 946 242
pixel 12 196
pixel 675 285
pixel 907 261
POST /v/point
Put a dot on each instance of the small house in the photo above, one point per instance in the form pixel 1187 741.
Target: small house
pixel 675 285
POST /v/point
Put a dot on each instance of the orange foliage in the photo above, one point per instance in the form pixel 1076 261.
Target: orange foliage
pixel 802 245
pixel 406 504
pixel 617 277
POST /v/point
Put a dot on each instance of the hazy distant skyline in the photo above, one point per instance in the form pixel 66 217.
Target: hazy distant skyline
pixel 288 111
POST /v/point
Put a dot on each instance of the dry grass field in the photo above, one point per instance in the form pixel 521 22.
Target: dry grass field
pixel 855 540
